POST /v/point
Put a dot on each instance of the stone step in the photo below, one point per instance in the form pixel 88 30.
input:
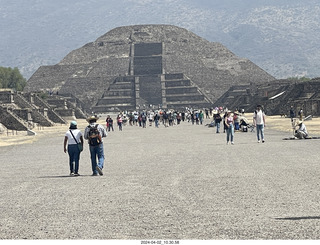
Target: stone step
pixel 177 83
pixel 114 105
pixel 185 97
pixel 185 104
pixel 119 93
pixel 181 90
pixel 119 89
pixel 174 76
pixel 116 100
pixel 118 86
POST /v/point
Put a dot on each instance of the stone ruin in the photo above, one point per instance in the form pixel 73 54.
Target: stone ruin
pixel 25 111
pixel 133 67
pixel 276 97
pixel 148 86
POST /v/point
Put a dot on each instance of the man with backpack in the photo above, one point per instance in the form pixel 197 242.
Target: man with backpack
pixel 94 133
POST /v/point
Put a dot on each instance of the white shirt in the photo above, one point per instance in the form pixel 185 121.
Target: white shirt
pixel 77 134
pixel 258 116
pixel 303 129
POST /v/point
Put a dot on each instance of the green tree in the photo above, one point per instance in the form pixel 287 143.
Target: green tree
pixel 12 78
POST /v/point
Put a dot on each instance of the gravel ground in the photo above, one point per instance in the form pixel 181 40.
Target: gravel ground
pixel 181 182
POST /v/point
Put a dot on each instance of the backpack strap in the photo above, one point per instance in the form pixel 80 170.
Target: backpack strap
pixel 73 137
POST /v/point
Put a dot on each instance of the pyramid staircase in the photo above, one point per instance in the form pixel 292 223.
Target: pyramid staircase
pixel 148 86
pixel 11 120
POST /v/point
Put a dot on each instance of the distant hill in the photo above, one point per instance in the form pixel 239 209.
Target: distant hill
pixel 282 37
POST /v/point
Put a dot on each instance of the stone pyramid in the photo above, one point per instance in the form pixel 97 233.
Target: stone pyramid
pixel 135 66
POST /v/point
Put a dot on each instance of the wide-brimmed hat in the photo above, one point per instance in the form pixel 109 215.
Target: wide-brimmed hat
pixel 92 118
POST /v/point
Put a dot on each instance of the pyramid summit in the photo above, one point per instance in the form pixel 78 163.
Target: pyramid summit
pixel 132 66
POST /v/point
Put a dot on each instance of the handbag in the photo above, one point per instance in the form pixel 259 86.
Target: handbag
pixel 80 146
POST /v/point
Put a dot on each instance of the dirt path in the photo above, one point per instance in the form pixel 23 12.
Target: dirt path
pixel 181 182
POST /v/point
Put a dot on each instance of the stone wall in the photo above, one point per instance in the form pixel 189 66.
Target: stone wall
pixel 276 97
pixel 21 111
pixel 6 96
pixel 11 121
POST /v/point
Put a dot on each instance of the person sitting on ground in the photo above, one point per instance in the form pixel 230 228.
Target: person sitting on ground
pixel 301 132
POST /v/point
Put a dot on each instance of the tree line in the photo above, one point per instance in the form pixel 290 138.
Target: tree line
pixel 12 78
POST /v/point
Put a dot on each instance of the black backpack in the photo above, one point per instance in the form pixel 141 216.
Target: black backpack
pixel 94 136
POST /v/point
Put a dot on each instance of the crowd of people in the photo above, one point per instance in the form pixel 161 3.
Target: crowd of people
pixel 231 121
pixel 166 118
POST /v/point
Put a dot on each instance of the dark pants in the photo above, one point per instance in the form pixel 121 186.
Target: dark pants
pixel 74 157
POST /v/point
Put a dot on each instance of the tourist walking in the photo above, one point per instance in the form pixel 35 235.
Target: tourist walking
pixel 300 114
pixel 292 114
pixel 119 121
pixel 217 119
pixel 225 127
pixel 259 122
pixel 109 121
pixel 236 119
pixel 156 120
pixel 94 133
pixel 230 127
pixel 201 117
pixel 74 139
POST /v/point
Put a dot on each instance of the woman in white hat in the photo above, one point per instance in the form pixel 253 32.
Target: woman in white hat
pixel 74 139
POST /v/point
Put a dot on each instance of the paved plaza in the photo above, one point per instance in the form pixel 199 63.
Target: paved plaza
pixel 181 182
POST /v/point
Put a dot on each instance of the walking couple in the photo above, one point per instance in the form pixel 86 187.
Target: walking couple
pixel 73 144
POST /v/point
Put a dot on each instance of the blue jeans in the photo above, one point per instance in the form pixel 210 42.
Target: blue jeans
pixel 260 130
pixel 218 127
pixel 236 125
pixel 230 133
pixel 96 152
pixel 74 156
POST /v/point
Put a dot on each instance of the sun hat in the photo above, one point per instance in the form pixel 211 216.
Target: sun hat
pixel 92 118
pixel 73 123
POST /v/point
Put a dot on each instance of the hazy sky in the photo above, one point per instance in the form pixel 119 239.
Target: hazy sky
pixel 42 32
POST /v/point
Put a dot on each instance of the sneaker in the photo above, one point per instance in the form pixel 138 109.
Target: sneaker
pixel 258 141
pixel 94 174
pixel 76 174
pixel 71 174
pixel 232 143
pixel 262 141
pixel 99 170
pixel 227 142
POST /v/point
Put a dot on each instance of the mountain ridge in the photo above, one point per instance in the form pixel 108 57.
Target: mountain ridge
pixel 279 36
